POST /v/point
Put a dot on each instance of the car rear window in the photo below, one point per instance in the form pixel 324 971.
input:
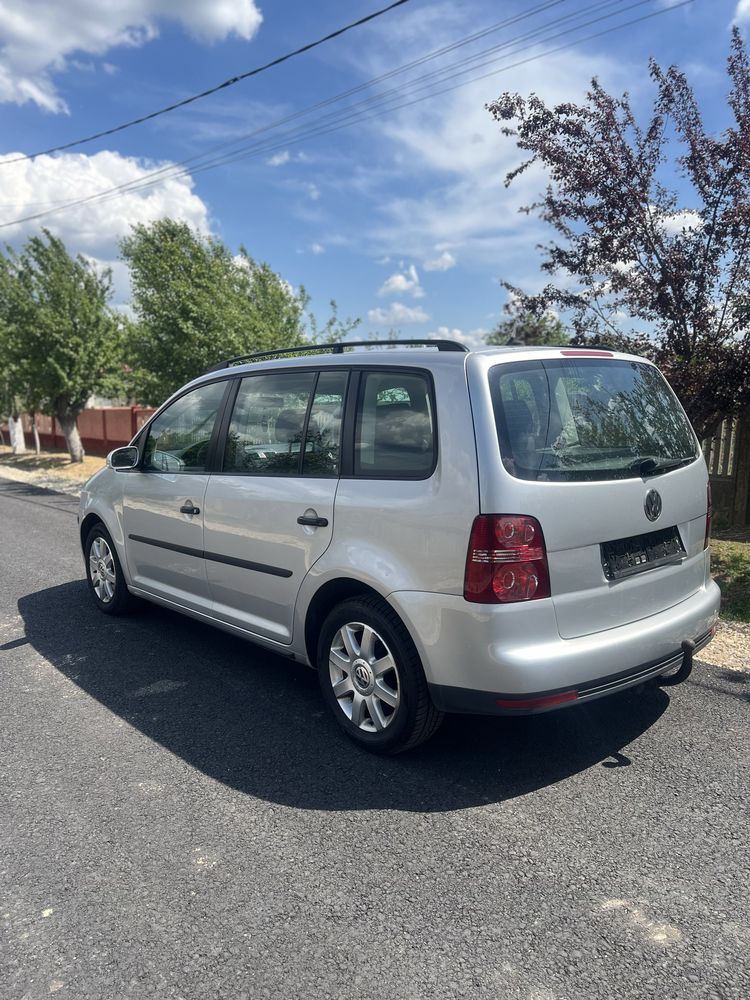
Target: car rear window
pixel 585 418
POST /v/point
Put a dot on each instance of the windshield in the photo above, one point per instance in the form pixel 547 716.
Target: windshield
pixel 583 418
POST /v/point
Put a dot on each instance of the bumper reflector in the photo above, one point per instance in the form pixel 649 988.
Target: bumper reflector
pixel 545 701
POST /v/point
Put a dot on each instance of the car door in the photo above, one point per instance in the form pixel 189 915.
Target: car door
pixel 269 511
pixel 163 499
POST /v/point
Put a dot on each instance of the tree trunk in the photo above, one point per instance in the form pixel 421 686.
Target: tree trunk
pixel 35 430
pixel 17 438
pixel 69 423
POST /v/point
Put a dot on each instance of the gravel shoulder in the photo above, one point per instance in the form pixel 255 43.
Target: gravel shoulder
pixel 730 647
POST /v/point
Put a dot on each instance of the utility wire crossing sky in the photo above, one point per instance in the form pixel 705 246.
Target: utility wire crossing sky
pixel 352 114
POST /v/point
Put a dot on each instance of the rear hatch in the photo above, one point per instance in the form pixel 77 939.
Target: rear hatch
pixel 600 452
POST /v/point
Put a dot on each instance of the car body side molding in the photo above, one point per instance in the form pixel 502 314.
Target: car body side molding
pixel 214 556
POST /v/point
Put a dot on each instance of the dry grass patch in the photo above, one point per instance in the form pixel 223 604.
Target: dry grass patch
pixel 51 463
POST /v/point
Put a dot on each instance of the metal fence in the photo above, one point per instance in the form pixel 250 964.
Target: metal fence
pixel 102 428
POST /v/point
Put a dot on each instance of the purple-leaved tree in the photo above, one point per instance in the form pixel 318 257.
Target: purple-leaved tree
pixel 632 262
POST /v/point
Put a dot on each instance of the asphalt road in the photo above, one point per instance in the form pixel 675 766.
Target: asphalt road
pixel 180 819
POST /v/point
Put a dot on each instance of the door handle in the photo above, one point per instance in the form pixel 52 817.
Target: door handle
pixel 313 521
pixel 188 508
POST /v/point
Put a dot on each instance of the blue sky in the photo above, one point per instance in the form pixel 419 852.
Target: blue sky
pixel 403 219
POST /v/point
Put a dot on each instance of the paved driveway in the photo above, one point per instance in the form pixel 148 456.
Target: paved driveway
pixel 179 818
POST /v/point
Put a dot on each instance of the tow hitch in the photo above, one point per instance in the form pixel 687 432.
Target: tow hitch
pixel 685 669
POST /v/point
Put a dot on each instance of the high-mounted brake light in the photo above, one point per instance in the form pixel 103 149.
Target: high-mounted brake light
pixel 709 511
pixel 506 561
pixel 587 354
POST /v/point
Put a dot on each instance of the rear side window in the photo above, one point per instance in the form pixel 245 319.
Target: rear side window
pixel 582 418
pixel 395 429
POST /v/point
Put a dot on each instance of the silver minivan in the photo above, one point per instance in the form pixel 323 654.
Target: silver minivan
pixel 503 531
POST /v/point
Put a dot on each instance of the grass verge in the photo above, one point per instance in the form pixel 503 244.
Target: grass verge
pixel 730 566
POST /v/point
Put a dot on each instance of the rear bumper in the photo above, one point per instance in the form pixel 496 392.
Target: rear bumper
pixel 475 656
pixel 465 700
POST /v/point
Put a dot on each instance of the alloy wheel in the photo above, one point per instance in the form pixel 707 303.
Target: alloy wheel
pixel 364 677
pixel 102 569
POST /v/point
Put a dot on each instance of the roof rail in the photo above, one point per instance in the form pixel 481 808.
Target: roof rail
pixel 442 345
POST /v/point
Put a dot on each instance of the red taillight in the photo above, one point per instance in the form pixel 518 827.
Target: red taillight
pixel 506 561
pixel 709 509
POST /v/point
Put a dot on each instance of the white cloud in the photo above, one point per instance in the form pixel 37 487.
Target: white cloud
pixel 279 159
pixel 317 249
pixel 743 11
pixel 396 314
pixel 442 263
pixel 313 192
pixel 450 156
pixel 403 283
pixel 678 221
pixel 37 39
pixel 94 228
pixel 473 339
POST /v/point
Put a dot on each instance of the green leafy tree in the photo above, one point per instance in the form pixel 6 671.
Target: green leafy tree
pixel 528 328
pixel 634 260
pixel 196 303
pixel 62 341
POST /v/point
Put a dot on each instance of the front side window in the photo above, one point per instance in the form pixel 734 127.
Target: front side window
pixel 178 439
pixel 395 430
pixel 581 418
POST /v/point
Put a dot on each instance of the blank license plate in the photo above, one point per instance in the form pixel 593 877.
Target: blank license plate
pixel 626 556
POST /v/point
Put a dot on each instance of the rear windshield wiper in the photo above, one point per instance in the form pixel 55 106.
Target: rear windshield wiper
pixel 651 466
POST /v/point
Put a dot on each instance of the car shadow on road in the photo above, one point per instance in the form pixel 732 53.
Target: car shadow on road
pixel 256 721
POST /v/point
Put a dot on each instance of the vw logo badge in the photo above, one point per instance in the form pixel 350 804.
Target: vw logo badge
pixel 362 674
pixel 652 505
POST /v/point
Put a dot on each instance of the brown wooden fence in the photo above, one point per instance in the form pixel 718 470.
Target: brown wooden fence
pixel 728 459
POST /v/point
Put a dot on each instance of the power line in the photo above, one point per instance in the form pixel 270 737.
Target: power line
pixel 348 122
pixel 345 118
pixel 349 116
pixel 172 169
pixel 213 90
pixel 358 88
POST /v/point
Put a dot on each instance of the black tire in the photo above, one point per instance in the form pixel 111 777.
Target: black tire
pixel 415 718
pixel 122 601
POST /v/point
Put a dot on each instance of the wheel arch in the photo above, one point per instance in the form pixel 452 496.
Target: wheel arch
pixel 326 598
pixel 87 524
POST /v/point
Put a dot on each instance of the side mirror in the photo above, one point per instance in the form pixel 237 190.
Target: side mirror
pixel 123 458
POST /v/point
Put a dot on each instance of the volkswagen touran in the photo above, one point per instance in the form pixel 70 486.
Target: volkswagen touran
pixel 504 531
